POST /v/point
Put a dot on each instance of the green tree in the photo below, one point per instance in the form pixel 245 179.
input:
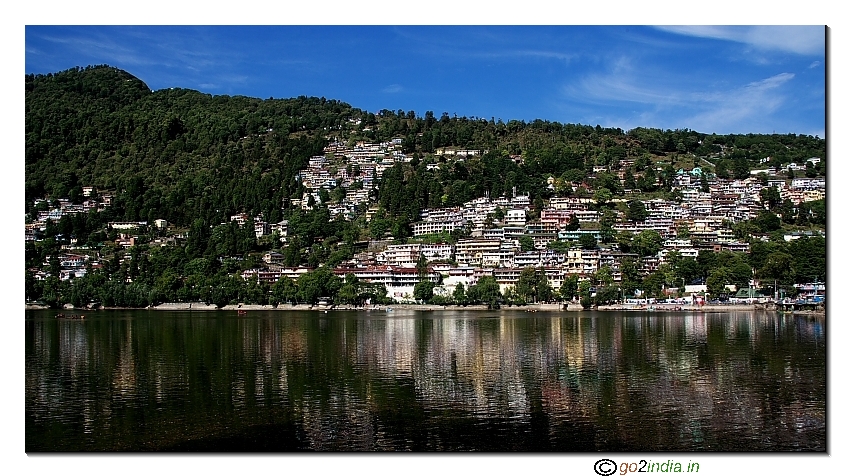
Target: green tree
pixel 717 281
pixel 603 276
pixel 324 196
pixel 569 287
pixel 811 213
pixel 486 291
pixel 167 285
pixel 423 291
pixel 624 241
pixel 526 285
pixel 770 197
pixel 348 294
pixel 318 283
pixel 779 266
pixel 630 276
pixel 706 261
pixel 585 297
pixel 654 283
pixel 636 211
pixel 687 269
pixel 647 243
pixel 459 294
pixel 543 290
pixel 196 242
pixel 629 182
pixel 284 291
pixel 511 297
pixel 499 213
pixel 811 172
pixel 740 167
pixel 722 169
pixel 559 246
pixel 767 221
pixel 647 182
pixel 809 255
pixel 422 266
pixel 338 194
pixel 587 241
pixel 703 183
pixel 787 211
pixel 602 196
pixel 526 243
pixel 739 272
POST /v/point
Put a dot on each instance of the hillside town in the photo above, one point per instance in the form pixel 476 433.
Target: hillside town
pixel 568 237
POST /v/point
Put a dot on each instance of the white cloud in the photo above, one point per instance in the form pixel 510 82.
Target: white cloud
pixel 803 40
pixel 112 52
pixel 751 104
pixel 621 88
pixel 392 88
pixel 623 83
pixel 772 82
pixel 528 54
pixel 662 101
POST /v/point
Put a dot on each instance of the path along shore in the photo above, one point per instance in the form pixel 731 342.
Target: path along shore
pixel 550 307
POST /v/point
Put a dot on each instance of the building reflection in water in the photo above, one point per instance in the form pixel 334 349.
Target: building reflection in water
pixel 414 380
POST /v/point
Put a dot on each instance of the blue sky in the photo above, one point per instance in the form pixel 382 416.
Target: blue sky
pixel 710 79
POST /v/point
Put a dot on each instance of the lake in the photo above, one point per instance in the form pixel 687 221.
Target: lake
pixel 508 380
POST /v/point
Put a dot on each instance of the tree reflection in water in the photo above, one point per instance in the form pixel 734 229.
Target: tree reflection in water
pixel 436 381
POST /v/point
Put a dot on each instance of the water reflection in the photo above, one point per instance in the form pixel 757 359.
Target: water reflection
pixel 138 380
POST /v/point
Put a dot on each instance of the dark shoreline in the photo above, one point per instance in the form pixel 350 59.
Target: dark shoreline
pixel 572 307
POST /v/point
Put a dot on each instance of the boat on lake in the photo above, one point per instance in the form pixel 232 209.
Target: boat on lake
pixel 71 316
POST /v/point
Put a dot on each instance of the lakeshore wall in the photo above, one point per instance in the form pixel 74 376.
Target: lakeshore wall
pixel 548 307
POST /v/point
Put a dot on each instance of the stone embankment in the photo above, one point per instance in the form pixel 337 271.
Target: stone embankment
pixel 550 307
pixel 185 306
pixel 247 307
pixel 691 307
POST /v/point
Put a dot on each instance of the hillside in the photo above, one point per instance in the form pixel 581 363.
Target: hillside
pixel 136 197
pixel 174 153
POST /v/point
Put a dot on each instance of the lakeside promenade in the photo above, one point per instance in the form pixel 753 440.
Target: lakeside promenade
pixel 546 307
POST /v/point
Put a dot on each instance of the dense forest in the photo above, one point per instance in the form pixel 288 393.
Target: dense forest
pixel 195 159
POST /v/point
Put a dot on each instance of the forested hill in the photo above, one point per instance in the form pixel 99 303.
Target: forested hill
pixel 182 155
pixel 177 153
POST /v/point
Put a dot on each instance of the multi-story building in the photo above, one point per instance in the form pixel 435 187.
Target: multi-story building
pixel 398 281
pixel 471 251
pixel 432 227
pixel 498 259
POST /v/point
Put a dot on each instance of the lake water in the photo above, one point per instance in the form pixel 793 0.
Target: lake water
pixel 429 381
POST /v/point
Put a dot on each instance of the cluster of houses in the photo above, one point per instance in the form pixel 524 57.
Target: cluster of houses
pixel 62 207
pixel 71 265
pixel 356 169
pixel 261 226
pixel 497 230
pixel 494 249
